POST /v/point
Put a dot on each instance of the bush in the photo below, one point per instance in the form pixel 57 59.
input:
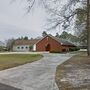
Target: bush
pixel 74 49
pixel 55 51
pixel 31 47
pixel 2 48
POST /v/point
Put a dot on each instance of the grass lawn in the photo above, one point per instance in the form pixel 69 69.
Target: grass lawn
pixel 74 74
pixel 13 60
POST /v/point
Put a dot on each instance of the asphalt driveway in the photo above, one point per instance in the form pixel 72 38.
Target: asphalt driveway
pixel 39 75
pixel 7 87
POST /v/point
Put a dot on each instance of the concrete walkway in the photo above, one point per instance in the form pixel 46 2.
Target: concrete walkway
pixel 39 75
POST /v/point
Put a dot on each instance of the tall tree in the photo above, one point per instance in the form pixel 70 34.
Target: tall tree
pixel 25 38
pixel 88 27
pixel 69 37
pixel 65 16
pixel 9 44
pixel 57 35
pixel 44 33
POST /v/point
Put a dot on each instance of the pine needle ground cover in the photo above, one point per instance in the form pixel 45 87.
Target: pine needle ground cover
pixel 74 74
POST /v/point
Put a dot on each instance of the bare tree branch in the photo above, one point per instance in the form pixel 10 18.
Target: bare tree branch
pixel 31 5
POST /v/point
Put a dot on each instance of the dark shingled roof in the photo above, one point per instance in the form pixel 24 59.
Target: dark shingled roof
pixel 61 41
pixel 26 42
pixel 34 41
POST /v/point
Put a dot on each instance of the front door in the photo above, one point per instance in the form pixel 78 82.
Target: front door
pixel 47 47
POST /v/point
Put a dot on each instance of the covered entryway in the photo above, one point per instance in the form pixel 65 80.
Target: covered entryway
pixel 47 47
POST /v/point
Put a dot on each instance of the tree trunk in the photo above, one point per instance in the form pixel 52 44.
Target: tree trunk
pixel 88 27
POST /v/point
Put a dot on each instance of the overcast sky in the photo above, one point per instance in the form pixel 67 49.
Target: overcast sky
pixel 14 22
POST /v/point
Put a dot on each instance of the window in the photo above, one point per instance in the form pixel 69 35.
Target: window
pixel 26 47
pixel 22 47
pixel 18 47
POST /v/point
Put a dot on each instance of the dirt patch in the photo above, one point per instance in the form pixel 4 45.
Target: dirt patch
pixel 74 74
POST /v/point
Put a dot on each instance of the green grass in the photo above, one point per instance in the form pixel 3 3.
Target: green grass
pixel 13 60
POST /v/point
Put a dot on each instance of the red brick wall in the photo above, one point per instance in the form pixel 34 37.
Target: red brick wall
pixel 54 45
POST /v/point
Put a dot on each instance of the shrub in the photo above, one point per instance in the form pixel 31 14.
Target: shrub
pixel 2 48
pixel 55 51
pixel 31 47
pixel 74 49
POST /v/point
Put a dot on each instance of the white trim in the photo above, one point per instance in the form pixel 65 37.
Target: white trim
pixel 34 47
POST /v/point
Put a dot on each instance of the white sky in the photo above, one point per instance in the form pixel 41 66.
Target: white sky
pixel 14 22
